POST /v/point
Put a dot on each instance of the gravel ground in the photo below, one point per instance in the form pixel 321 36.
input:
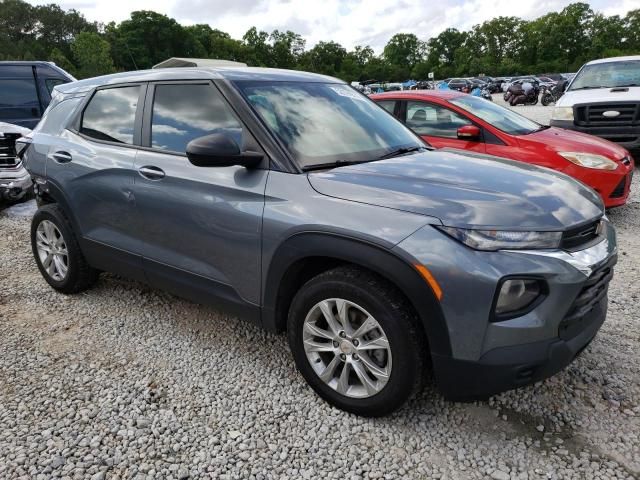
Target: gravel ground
pixel 127 382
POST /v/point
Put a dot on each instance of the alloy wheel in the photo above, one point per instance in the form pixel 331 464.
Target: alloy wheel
pixel 347 348
pixel 52 250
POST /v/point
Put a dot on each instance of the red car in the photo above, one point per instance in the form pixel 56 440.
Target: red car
pixel 456 120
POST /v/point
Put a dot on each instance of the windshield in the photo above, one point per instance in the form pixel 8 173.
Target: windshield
pixel 608 75
pixel 326 123
pixel 506 120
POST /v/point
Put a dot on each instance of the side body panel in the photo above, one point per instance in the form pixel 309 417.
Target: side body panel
pixel 202 221
pixel 97 186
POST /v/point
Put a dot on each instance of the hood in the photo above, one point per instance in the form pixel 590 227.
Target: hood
pixel 599 95
pixel 9 128
pixel 560 140
pixel 466 191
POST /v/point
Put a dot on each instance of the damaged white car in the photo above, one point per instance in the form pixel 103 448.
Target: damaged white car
pixel 15 181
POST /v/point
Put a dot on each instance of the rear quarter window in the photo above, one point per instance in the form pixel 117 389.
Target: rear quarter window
pixel 110 115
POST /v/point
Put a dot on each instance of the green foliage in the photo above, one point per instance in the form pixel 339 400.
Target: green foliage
pixel 556 42
pixel 92 55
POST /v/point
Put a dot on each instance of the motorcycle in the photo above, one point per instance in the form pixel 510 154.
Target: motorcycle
pixel 550 95
pixel 486 94
pixel 516 96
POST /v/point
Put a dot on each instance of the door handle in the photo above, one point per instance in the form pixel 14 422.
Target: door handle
pixel 61 157
pixel 151 173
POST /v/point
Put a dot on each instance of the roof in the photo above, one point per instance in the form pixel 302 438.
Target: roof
pixel 198 73
pixel 443 94
pixel 197 62
pixel 614 59
pixel 39 63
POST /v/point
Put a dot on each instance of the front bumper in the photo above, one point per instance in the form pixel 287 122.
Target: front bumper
pixel 14 182
pixel 487 357
pixel 506 368
pixel 625 136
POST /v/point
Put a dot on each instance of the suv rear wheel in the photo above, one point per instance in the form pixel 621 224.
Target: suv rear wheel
pixel 355 341
pixel 57 252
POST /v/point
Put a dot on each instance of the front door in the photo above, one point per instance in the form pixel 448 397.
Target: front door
pixel 200 227
pixel 439 126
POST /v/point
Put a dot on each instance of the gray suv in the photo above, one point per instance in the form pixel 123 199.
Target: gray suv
pixel 299 204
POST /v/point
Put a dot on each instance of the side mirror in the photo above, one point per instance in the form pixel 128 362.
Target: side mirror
pixel 220 150
pixel 469 132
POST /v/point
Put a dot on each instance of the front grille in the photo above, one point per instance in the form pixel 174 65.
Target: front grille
pixel 593 291
pixel 8 150
pixel 578 237
pixel 618 192
pixel 592 115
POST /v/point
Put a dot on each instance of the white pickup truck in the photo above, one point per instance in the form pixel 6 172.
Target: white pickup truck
pixel 603 99
pixel 15 181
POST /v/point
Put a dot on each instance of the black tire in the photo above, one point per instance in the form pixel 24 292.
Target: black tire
pixel 80 275
pixel 383 301
pixel 546 99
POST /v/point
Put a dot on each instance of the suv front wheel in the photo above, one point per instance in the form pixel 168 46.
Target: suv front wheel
pixel 355 341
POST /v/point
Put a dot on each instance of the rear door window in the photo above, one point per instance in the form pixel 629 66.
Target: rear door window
pixel 18 98
pixel 110 115
pixel 183 112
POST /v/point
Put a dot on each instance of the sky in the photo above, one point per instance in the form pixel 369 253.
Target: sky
pixel 348 22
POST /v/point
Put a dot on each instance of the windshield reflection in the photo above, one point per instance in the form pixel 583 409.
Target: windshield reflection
pixel 326 122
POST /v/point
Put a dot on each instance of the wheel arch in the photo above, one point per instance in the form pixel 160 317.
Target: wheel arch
pixel 304 255
pixel 50 193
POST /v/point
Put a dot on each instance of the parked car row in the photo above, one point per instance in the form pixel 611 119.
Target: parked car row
pixel 382 238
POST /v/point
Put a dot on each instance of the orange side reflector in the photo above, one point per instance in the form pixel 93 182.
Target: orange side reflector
pixel 426 274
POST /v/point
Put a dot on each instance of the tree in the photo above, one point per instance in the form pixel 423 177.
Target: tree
pixel 286 48
pixel 59 58
pixel 403 52
pixel 443 52
pixel 92 55
pixel 258 50
pixel 559 41
pixel 325 57
pixel 148 38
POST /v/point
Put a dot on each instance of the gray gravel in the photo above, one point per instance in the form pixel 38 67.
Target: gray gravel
pixel 127 382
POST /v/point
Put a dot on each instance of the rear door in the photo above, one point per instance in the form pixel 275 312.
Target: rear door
pixel 200 227
pixel 91 164
pixel 439 125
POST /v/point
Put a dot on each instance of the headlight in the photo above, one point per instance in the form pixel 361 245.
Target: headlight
pixel 562 113
pixel 504 240
pixel 590 160
pixel 516 294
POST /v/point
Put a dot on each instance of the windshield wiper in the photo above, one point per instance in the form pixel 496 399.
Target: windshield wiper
pixel 337 163
pixel 401 151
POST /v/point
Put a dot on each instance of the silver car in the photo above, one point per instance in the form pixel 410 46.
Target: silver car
pixel 294 201
pixel 15 181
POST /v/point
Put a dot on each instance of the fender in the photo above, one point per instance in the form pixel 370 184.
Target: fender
pixel 373 257
pixel 57 194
